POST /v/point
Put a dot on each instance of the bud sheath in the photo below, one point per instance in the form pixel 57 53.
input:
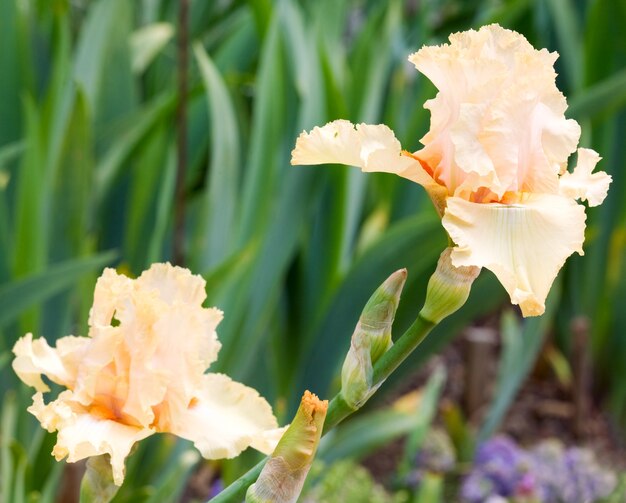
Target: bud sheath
pixel 370 340
pixel 448 288
pixel 97 485
pixel 283 475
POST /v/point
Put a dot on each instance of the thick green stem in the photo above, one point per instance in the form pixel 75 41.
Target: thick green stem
pixel 338 409
pixel 402 348
pixel 236 492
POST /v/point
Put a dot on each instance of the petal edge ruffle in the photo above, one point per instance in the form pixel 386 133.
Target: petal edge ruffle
pixel 373 148
pixel 582 183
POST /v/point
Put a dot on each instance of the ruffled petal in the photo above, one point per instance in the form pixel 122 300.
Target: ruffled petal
pixel 142 370
pixel 371 148
pixel 131 367
pixel 497 123
pixel 82 435
pixel 111 288
pixel 582 183
pixel 524 244
pixel 36 358
pixel 157 374
pixel 173 284
pixel 224 418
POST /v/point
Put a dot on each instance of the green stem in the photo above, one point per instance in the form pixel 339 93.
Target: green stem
pixel 338 409
pixel 402 348
pixel 236 492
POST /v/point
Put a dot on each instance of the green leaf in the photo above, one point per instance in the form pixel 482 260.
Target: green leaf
pixel 147 42
pixel 214 237
pixel 430 489
pixel 11 83
pixel 143 122
pixel 264 159
pixel 174 479
pixel 8 419
pixel 425 413
pixel 567 27
pixel 8 153
pixel 30 246
pixel 414 243
pixel 521 348
pixel 163 212
pixel 102 66
pixel 606 96
pixel 364 434
pixel 19 295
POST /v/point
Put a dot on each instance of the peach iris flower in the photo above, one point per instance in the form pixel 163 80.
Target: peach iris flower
pixel 494 161
pixel 141 371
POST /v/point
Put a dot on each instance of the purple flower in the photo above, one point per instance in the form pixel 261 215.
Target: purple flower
pixel 501 468
pixel 569 475
pixel 217 486
pixel 477 487
pixel 586 480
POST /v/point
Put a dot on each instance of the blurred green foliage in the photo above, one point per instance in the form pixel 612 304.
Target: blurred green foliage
pixel 347 481
pixel 88 96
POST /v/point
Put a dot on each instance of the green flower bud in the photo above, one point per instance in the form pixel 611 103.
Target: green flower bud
pixel 97 485
pixel 283 475
pixel 448 288
pixel 370 340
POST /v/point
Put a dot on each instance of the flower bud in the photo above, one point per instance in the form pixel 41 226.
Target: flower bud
pixel 448 288
pixel 283 475
pixel 97 485
pixel 370 340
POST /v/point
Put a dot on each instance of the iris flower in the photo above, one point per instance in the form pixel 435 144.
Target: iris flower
pixel 494 161
pixel 141 371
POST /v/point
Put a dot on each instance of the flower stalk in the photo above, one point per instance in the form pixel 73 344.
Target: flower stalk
pixel 339 408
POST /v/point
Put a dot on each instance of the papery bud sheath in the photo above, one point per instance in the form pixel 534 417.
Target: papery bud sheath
pixel 283 475
pixel 448 288
pixel 97 485
pixel 370 340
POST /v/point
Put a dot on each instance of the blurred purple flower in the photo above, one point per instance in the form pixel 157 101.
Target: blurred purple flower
pixel 586 480
pixel 501 468
pixel 217 486
pixel 477 487
pixel 548 473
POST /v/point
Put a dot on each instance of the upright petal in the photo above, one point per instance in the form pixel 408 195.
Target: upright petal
pixel 523 244
pixel 371 148
pixel 224 418
pixel 111 287
pixel 582 183
pixel 173 284
pixel 497 122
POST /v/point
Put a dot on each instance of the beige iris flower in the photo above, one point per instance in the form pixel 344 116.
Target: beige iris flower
pixel 494 161
pixel 141 371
